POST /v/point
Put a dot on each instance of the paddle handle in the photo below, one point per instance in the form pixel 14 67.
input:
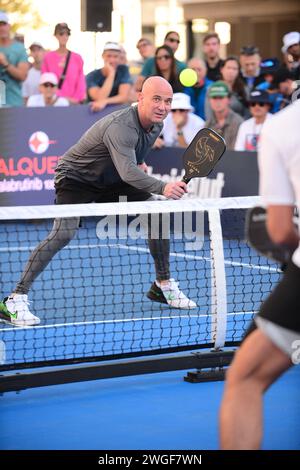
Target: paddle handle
pixel 185 179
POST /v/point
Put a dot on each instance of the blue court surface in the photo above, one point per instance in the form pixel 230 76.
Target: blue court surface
pixel 91 301
pixel 158 411
pixel 91 297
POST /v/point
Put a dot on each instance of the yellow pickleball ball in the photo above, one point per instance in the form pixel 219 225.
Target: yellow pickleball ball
pixel 188 77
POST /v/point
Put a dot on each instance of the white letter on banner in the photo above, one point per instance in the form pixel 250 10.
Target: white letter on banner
pixel 138 227
pixel 106 228
pixel 198 235
pixel 2 93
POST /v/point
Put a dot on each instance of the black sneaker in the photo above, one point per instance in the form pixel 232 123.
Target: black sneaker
pixel 156 294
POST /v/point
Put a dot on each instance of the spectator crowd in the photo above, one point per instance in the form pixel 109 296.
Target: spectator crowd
pixel 235 96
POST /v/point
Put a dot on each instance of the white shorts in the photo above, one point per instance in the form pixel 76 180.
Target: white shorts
pixel 286 340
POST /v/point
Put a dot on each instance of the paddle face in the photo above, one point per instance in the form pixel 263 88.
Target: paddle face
pixel 258 237
pixel 203 153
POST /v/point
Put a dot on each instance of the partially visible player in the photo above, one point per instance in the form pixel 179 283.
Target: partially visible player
pixel 106 163
pixel 270 348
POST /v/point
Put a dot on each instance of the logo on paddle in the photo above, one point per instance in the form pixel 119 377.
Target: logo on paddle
pixel 203 153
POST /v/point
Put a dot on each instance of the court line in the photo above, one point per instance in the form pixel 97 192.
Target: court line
pixel 146 250
pixel 198 258
pixel 122 320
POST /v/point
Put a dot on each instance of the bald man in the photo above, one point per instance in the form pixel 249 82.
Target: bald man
pixel 105 164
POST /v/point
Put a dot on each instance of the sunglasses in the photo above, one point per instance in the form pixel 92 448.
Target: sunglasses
pixel 173 40
pixel 165 57
pixel 217 97
pixel 49 85
pixel 180 110
pixel 63 33
pixel 258 104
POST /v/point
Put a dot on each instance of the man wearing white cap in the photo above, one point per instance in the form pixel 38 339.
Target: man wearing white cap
pixel 13 64
pixel 181 125
pixel 112 83
pixel 47 96
pixel 31 85
pixel 291 47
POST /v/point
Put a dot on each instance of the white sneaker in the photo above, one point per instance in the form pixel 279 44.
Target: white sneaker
pixel 16 311
pixel 173 295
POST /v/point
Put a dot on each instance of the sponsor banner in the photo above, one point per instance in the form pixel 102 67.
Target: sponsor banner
pixel 31 142
pixel 33 139
pixel 236 174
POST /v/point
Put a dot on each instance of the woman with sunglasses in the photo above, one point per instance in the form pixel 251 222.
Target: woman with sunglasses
pixel 47 96
pixel 67 66
pixel 165 67
pixel 171 40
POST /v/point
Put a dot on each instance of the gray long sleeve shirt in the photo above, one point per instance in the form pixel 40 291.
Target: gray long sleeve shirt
pixel 110 151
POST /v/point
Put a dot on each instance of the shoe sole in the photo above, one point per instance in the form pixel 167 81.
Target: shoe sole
pixel 182 307
pixel 165 302
pixel 155 298
pixel 8 322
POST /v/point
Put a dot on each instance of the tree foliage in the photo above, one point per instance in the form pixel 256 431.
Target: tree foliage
pixel 24 14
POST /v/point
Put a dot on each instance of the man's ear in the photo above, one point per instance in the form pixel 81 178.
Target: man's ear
pixel 140 96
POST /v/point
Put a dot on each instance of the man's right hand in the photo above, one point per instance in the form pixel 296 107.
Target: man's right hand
pixel 109 69
pixel 175 190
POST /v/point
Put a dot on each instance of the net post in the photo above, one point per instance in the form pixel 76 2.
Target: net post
pixel 218 303
pixel 218 280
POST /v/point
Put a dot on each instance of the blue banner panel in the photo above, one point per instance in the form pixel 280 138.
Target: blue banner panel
pixel 236 174
pixel 33 139
pixel 31 142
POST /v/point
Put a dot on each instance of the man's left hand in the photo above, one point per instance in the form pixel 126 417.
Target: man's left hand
pixel 143 167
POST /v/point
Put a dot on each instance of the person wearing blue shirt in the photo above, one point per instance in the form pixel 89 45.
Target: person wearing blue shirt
pixel 172 40
pixel 197 93
pixel 269 69
pixel 112 83
pixel 13 64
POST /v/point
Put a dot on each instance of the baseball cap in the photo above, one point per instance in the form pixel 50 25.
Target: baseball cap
pixel 36 44
pixel 181 101
pixel 269 66
pixel 218 88
pixel 61 27
pixel 48 77
pixel 112 46
pixel 259 96
pixel 289 40
pixel 3 17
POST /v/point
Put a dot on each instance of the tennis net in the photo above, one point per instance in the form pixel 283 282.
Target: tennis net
pixel 91 298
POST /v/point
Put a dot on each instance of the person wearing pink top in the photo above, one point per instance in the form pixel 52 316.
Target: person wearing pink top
pixel 73 86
